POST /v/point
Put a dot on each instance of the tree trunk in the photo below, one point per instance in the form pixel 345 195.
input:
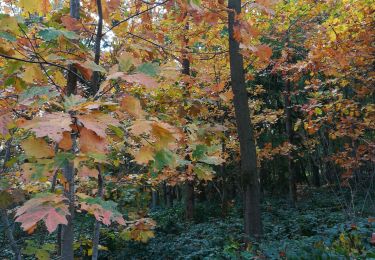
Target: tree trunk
pixel 189 200
pixel 315 173
pixel 98 39
pixel 67 236
pixel 96 236
pixel 9 234
pixel 289 132
pixel 250 180
pixel 66 232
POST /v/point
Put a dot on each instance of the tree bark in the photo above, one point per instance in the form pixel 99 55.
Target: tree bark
pixel 250 180
pixel 98 40
pixel 289 132
pixel 96 236
pixel 9 234
pixel 67 236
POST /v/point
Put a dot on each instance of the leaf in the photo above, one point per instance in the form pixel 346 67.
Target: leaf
pixel 89 142
pixel 133 106
pixel 141 79
pixel 104 211
pixel 52 125
pixel 93 66
pixel 150 69
pixel 98 122
pixel 66 142
pixel 35 92
pixel 8 23
pixel 164 158
pixel 37 147
pixel 51 33
pixel 8 36
pixel 51 208
pixel 33 74
pixel 204 172
pixel 144 155
pixel 41 7
pixel 86 72
pixel 125 61
pixel 138 78
pixel 71 23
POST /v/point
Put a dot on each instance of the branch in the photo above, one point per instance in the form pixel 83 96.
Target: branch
pixel 46 63
pixel 135 15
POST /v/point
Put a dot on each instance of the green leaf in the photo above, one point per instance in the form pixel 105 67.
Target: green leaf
pixel 164 158
pixel 50 34
pixel 200 151
pixel 8 36
pixel 33 92
pixel 204 172
pixel 149 68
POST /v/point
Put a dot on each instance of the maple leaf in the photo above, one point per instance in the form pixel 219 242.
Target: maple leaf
pixel 133 106
pixel 144 155
pixel 71 23
pixel 66 142
pixel 52 125
pixel 104 210
pixel 138 78
pixel 98 122
pixel 51 208
pixel 90 142
pixel 37 147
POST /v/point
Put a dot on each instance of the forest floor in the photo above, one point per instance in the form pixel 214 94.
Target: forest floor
pixel 322 226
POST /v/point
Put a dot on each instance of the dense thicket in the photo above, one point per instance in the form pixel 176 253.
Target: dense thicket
pixel 188 129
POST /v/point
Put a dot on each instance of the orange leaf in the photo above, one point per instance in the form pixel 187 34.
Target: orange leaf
pixel 66 142
pixel 89 142
pixel 133 106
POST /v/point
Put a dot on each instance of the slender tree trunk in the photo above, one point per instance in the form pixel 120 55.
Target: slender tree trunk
pixel 3 212
pixel 66 232
pixel 96 236
pixel 98 39
pixel 250 180
pixel 67 236
pixel 289 132
pixel 189 186
pixel 71 88
pixel 315 173
pixel 9 234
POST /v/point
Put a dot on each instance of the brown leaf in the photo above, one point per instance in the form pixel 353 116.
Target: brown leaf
pixel 133 106
pixel 52 125
pixel 66 142
pixel 37 147
pixel 89 142
pixel 71 23
pixel 98 122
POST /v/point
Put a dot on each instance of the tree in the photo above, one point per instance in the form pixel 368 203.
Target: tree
pixel 249 172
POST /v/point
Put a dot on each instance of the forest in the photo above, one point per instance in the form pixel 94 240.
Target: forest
pixel 187 129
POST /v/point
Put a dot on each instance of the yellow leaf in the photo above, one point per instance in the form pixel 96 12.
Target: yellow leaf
pixel 31 6
pixel 33 74
pixel 37 147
